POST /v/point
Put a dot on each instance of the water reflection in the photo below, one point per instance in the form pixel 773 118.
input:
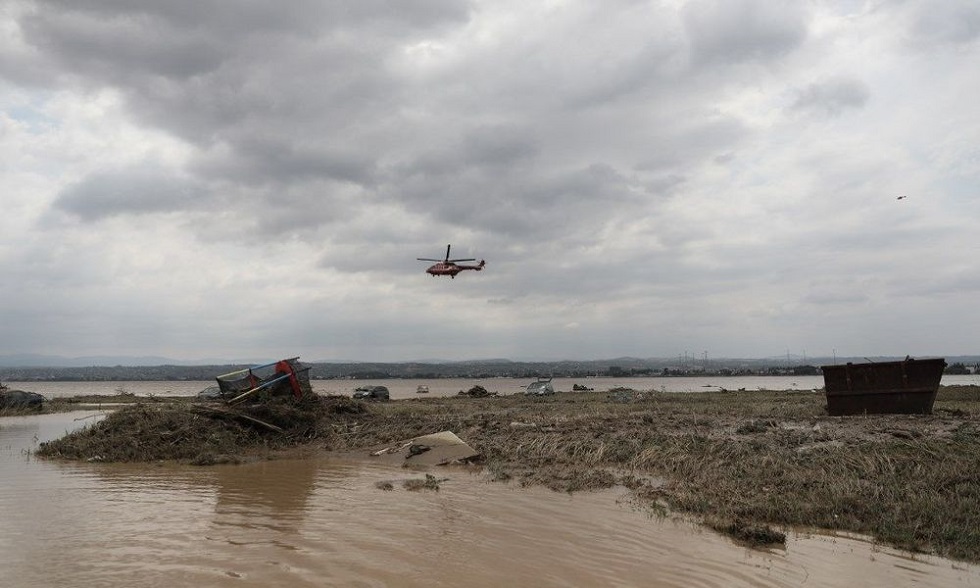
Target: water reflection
pixel 279 489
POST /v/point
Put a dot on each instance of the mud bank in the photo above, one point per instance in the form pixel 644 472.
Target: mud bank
pixel 747 463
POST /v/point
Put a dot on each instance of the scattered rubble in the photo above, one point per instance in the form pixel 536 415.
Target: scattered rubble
pixel 477 392
pixel 435 449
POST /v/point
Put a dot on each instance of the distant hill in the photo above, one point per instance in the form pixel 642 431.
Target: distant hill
pixel 112 368
pixel 37 360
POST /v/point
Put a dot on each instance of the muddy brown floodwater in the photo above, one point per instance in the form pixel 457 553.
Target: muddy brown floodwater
pixel 325 522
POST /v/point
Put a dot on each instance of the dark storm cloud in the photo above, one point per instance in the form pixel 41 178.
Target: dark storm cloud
pixel 137 191
pixel 275 100
pixel 509 201
pixel 309 97
pixel 832 97
pixel 299 17
pixel 117 46
pixel 198 69
pixel 257 160
pixel 128 43
pixel 631 168
pixel 731 31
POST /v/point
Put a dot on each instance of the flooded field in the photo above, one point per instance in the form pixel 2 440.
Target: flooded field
pixel 323 522
pixel 401 389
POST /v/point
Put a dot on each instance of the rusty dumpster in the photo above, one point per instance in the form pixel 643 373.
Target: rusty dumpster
pixel 908 386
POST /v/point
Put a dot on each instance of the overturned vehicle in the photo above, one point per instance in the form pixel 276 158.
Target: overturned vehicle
pixel 280 378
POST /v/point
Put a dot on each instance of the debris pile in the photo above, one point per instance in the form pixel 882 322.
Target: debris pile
pixel 286 376
pixel 203 433
pixel 477 392
pixel 436 449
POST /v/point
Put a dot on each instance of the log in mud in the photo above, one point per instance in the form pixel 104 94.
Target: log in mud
pixel 750 464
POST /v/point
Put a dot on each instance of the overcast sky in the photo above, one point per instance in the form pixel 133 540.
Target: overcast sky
pixel 195 178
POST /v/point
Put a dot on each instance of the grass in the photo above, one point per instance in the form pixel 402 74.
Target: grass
pixel 752 465
pixel 743 462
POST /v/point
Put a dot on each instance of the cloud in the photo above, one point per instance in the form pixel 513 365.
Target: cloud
pixel 121 44
pixel 139 190
pixel 662 175
pixel 279 160
pixel 832 97
pixel 956 22
pixel 723 32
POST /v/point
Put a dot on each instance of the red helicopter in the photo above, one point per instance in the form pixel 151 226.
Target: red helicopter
pixel 450 267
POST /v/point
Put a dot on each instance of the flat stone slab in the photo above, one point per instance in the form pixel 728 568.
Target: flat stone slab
pixel 435 449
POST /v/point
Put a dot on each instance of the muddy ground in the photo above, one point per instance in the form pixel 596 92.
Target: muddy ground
pixel 751 464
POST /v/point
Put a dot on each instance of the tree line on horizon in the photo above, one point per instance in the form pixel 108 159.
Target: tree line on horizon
pixel 476 370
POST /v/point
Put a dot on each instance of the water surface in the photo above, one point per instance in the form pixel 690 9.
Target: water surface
pixel 323 522
pixel 402 389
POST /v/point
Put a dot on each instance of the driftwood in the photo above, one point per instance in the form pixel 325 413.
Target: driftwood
pixel 228 414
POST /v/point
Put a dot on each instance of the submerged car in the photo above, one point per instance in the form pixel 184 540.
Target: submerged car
pixel 372 393
pixel 210 393
pixel 540 388
pixel 19 399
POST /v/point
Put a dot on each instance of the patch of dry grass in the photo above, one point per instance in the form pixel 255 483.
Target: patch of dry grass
pixel 744 462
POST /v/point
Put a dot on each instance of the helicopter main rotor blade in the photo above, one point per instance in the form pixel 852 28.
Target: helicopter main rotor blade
pixel 446 260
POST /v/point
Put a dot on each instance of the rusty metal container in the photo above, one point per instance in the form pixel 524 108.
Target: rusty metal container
pixel 904 387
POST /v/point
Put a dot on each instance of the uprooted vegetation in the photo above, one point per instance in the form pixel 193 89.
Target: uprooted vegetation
pixel 747 463
pixel 201 433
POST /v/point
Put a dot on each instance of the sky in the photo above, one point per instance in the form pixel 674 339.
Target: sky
pixel 200 178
